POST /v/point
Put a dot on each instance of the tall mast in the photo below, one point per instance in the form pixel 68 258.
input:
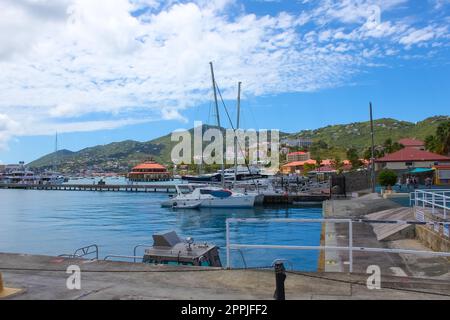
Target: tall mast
pixel 237 127
pixel 217 116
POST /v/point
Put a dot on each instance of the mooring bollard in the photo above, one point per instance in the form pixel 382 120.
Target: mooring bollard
pixel 7 292
pixel 280 277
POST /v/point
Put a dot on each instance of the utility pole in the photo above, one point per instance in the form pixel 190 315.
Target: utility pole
pixel 372 160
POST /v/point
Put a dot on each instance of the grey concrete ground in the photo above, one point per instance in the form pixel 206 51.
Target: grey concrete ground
pixel 44 277
pixel 364 236
pixel 357 207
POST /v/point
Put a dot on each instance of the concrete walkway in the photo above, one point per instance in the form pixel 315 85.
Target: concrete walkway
pixel 44 277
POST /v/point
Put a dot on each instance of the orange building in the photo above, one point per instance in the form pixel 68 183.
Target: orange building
pixel 298 156
pixel 149 171
pixel 325 166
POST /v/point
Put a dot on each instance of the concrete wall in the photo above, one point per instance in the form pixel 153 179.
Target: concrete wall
pixel 357 181
pixel 432 239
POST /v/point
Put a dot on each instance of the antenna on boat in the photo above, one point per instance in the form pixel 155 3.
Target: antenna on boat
pixel 217 116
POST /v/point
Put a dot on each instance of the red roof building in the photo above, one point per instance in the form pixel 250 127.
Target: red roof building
pixel 325 166
pixel 149 171
pixel 409 158
pixel 412 143
pixel 298 156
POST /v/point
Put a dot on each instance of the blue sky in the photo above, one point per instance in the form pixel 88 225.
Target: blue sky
pixel 98 71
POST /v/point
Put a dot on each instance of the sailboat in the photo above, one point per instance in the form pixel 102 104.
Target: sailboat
pixel 208 196
pixel 53 176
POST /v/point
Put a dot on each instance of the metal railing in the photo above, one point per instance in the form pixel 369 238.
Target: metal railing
pixel 351 248
pixel 437 201
pixel 140 246
pixel 82 252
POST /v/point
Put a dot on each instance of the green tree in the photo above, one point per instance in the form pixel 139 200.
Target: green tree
pixel 443 137
pixel 319 160
pixel 387 178
pixel 337 164
pixel 391 147
pixel 379 153
pixel 308 168
pixel 353 157
pixel 432 143
pixel 440 142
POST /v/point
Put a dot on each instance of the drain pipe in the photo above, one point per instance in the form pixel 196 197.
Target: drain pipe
pixel 280 277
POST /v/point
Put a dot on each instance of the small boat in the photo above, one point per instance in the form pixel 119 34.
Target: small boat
pixel 209 197
pixel 169 249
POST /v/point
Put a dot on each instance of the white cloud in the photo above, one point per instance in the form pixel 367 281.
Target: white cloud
pixel 63 60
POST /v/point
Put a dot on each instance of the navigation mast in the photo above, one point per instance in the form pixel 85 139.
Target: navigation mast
pixel 218 118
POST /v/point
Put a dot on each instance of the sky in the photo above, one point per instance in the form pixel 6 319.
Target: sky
pixel 99 71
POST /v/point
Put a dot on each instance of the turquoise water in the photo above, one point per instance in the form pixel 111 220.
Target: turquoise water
pixel 57 222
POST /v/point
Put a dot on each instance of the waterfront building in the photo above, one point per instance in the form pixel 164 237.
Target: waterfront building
pixel 442 175
pixel 298 156
pixel 411 158
pixel 298 142
pixel 325 166
pixel 412 143
pixel 149 171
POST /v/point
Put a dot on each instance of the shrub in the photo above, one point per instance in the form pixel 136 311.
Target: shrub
pixel 387 178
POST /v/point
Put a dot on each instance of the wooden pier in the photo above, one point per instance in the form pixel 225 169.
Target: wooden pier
pixel 273 199
pixel 162 188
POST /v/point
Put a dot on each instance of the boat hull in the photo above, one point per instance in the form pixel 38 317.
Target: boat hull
pixel 208 178
pixel 246 201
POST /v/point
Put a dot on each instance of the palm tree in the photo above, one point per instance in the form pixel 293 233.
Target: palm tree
pixel 391 147
pixel 440 143
pixel 443 137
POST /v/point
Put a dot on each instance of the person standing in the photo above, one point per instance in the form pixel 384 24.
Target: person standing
pixel 408 183
pixel 399 183
pixel 428 182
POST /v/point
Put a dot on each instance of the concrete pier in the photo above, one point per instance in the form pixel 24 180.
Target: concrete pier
pixel 44 277
pixel 376 236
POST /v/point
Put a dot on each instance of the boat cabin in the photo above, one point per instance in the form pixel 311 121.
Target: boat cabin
pixel 169 249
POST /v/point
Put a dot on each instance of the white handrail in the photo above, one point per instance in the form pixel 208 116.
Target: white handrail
pixel 350 247
pixel 434 199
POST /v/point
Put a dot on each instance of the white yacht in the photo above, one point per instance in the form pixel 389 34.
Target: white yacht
pixel 243 173
pixel 192 196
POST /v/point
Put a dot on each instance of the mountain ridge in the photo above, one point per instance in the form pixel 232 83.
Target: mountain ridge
pixel 121 156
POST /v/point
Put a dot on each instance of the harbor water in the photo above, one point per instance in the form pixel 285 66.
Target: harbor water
pixel 58 222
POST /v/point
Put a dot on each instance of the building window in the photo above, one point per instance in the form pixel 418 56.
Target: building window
pixel 409 164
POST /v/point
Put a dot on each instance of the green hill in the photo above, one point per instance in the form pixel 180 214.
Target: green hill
pixel 357 135
pixel 121 156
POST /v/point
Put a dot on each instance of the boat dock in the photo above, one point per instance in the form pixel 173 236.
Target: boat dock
pixel 166 188
pixel 269 199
